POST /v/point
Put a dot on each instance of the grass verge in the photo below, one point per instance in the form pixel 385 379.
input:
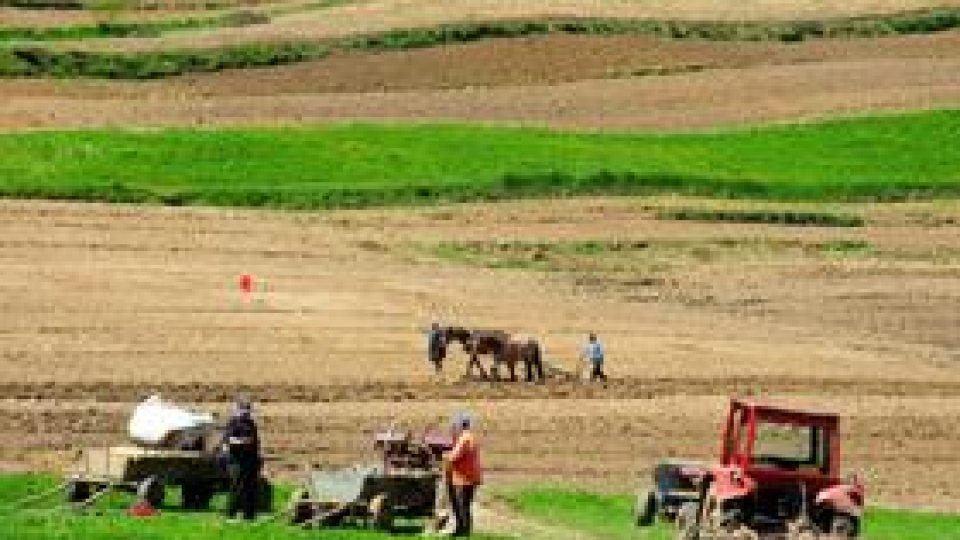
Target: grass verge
pixel 349 166
pixel 639 256
pixel 609 517
pixel 107 520
pixel 912 22
pixel 782 217
pixel 133 29
pixel 36 61
pixel 15 61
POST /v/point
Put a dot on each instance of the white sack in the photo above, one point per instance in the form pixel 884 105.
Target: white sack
pixel 157 423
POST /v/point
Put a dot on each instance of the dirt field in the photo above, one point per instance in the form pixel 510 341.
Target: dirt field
pixel 381 15
pixel 102 304
pixel 563 81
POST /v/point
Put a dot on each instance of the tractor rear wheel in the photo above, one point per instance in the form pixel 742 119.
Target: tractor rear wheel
pixel 645 509
pixel 687 528
pixel 845 526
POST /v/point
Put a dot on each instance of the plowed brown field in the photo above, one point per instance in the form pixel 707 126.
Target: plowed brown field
pixel 382 15
pixel 102 304
pixel 565 81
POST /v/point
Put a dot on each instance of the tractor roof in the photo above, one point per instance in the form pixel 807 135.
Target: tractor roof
pixel 787 415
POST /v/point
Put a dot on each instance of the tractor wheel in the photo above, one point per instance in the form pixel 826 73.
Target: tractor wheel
pixel 645 509
pixel 152 490
pixel 381 511
pixel 845 526
pixel 77 491
pixel 687 528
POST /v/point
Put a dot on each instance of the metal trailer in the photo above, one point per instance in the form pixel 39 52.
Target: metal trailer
pixel 148 472
pixel 370 494
pixel 407 483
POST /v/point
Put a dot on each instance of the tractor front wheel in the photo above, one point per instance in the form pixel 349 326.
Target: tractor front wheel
pixel 845 526
pixel 645 509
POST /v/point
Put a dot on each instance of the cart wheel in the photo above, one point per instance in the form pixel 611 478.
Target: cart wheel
pixel 152 490
pixel 264 496
pixel 382 512
pixel 78 491
pixel 298 509
pixel 197 495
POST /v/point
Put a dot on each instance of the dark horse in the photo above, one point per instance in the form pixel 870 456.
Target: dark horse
pixel 504 349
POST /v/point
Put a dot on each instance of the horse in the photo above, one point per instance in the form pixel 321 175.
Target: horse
pixel 503 347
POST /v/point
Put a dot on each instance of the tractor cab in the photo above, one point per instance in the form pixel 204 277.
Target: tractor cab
pixel 775 445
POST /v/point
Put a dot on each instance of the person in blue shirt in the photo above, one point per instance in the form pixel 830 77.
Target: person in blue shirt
pixel 593 353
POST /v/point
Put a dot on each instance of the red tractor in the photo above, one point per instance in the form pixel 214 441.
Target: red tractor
pixel 778 477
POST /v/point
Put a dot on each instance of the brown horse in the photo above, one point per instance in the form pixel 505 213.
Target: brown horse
pixel 502 347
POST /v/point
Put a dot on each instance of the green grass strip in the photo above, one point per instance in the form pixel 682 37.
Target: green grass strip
pixel 873 158
pixel 782 217
pixel 15 61
pixel 132 29
pixel 35 61
pixel 107 521
pixel 913 22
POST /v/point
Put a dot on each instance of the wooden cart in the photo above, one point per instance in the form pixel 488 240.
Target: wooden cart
pixel 148 472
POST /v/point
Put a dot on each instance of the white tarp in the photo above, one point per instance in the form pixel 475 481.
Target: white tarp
pixel 158 423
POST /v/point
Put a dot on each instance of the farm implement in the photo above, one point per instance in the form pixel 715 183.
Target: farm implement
pixel 406 483
pixel 778 477
pixel 171 447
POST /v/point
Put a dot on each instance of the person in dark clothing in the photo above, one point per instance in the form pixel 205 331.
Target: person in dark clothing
pixel 436 346
pixel 241 444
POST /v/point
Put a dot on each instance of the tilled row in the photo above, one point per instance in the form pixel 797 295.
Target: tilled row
pixel 624 388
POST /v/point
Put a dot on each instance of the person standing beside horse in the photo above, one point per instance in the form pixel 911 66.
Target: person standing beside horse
pixel 593 353
pixel 436 346
pixel 464 475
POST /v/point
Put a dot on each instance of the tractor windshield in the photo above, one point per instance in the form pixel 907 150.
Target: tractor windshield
pixel 788 446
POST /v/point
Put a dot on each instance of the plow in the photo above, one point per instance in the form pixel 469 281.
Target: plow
pixel 778 479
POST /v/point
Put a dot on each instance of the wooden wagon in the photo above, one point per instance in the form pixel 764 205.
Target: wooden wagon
pixel 148 472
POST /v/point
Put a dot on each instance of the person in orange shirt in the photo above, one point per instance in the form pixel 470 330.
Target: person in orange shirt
pixel 463 473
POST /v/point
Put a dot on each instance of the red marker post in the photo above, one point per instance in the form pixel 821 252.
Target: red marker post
pixel 246 285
